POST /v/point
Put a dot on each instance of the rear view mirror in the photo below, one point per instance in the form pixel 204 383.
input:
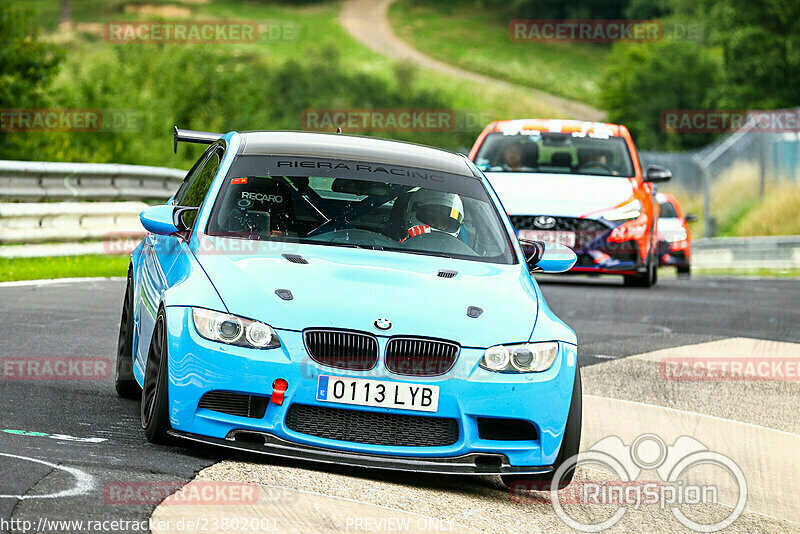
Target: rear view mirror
pixel 360 187
pixel 545 257
pixel 690 217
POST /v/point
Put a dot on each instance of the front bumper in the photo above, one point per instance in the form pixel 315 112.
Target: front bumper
pixel 600 246
pixel 466 393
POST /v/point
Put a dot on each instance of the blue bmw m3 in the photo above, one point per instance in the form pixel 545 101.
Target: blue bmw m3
pixel 349 300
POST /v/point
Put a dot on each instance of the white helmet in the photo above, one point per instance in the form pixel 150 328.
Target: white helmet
pixel 443 212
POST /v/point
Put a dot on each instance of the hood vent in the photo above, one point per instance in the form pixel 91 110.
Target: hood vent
pixel 285 294
pixel 295 258
pixel 444 273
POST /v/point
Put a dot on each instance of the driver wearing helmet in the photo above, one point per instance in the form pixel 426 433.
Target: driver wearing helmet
pixel 433 211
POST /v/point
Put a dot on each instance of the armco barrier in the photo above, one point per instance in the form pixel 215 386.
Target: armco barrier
pixel 747 253
pixel 35 181
pixel 67 221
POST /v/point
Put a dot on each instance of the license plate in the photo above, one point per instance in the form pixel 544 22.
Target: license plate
pixel 565 238
pixel 384 394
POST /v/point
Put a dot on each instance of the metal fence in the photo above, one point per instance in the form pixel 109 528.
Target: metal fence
pixel 751 160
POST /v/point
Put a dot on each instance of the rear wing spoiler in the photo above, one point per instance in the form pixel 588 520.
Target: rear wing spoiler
pixel 191 136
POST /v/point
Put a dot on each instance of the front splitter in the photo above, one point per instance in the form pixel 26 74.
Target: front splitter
pixel 467 464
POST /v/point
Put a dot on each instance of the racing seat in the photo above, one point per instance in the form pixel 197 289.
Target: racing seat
pixel 396 226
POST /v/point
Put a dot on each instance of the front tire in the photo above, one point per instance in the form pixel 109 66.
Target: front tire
pixel 684 271
pixel 124 381
pixel 570 445
pixel 155 397
pixel 649 278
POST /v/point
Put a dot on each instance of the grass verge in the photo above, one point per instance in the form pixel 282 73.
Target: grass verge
pixel 12 269
pixel 763 273
pixel 738 207
pixel 478 40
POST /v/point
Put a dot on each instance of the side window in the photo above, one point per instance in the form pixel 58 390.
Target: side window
pixel 191 175
pixel 195 191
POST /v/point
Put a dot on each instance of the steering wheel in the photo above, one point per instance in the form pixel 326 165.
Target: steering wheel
pixel 439 242
pixel 242 219
pixel 357 237
pixel 596 165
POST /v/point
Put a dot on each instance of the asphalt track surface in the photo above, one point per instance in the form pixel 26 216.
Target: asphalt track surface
pixel 83 427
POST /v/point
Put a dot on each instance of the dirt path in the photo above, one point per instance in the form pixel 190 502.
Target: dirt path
pixel 368 23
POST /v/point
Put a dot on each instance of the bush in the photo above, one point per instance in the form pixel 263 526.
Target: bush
pixel 27 67
pixel 203 88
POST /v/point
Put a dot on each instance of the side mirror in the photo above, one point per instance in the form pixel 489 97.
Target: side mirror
pixel 657 173
pixel 548 257
pixel 159 220
pixel 168 219
pixel 690 217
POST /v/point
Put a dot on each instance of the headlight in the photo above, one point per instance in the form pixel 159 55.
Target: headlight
pixel 629 210
pixel 679 235
pixel 520 358
pixel 234 330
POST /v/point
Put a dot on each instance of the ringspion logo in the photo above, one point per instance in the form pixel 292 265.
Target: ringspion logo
pixel 673 490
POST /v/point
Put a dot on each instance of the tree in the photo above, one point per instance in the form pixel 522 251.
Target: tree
pixel 64 12
pixel 643 80
pixel 27 67
pixel 760 44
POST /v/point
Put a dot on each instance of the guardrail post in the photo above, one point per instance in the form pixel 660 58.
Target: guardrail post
pixel 762 166
pixel 709 224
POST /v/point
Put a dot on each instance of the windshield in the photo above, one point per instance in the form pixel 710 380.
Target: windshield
pixel 561 153
pixel 667 210
pixel 358 204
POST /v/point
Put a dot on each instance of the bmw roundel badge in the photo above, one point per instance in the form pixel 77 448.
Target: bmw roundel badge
pixel 382 324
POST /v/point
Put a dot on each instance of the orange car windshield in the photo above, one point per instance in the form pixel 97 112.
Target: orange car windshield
pixel 554 153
